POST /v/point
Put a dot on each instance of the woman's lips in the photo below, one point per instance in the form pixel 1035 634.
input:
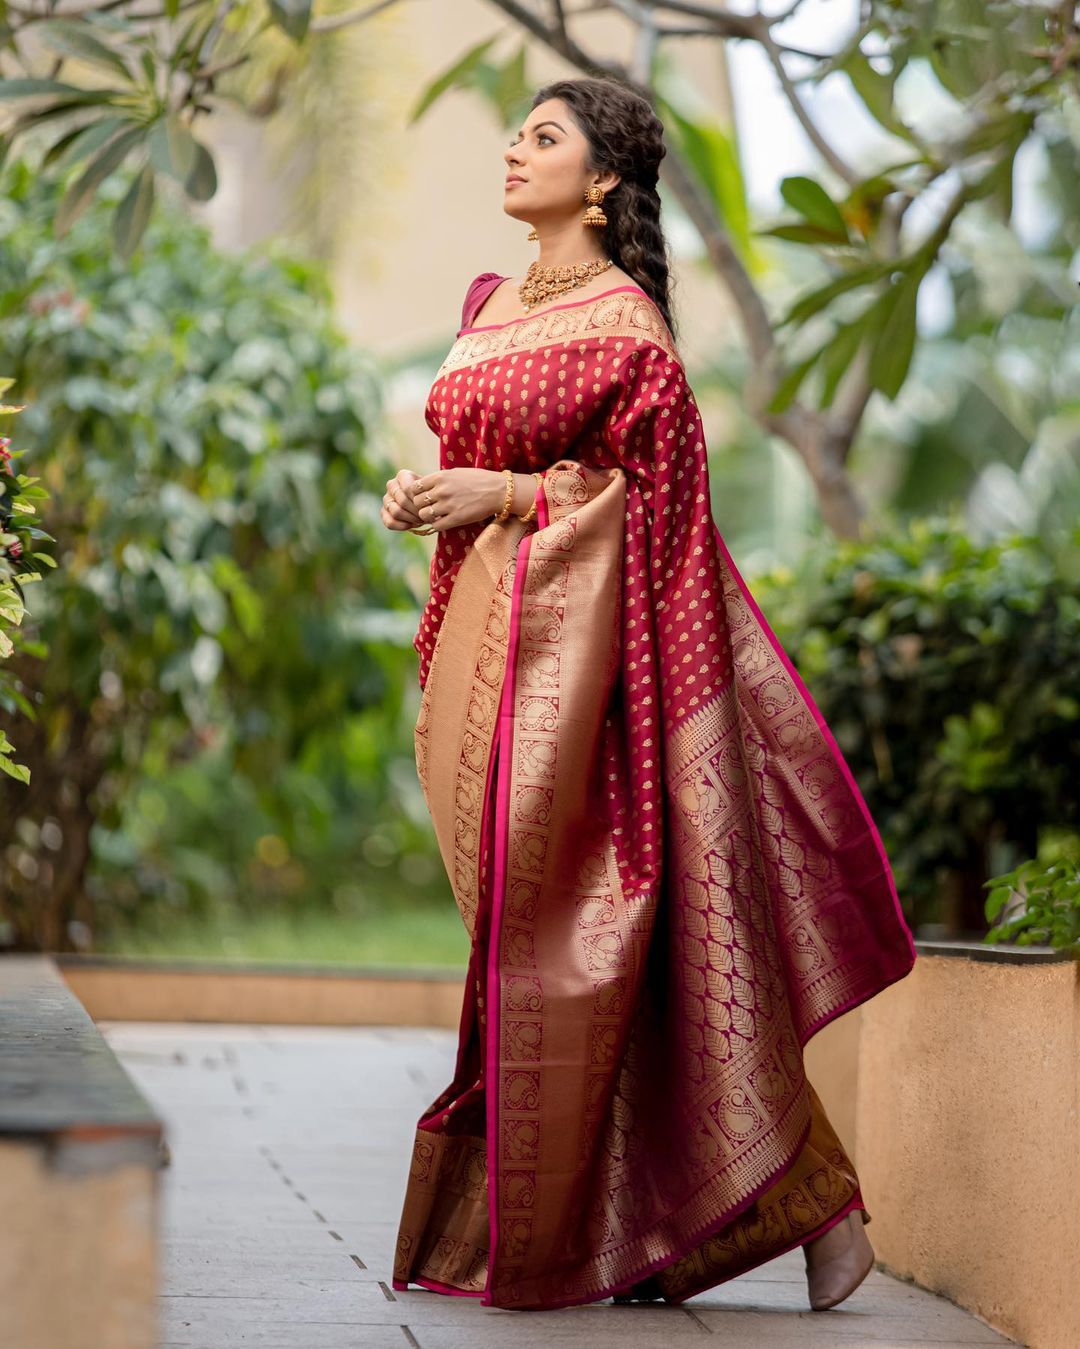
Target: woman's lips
pixel 510 182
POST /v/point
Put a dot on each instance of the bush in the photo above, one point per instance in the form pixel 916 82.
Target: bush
pixel 948 671
pixel 1037 904
pixel 226 710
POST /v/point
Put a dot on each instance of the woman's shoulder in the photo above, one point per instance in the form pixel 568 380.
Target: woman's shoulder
pixel 478 290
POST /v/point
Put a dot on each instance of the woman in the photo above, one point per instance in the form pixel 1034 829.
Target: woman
pixel 667 871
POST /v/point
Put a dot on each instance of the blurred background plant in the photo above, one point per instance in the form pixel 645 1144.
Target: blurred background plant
pixel 223 724
pixel 949 672
pixel 21 497
pixel 1037 904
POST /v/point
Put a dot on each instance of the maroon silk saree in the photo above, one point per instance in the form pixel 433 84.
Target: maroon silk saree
pixel 669 876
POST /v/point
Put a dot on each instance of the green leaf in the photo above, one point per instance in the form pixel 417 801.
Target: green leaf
pixel 713 155
pixel 17 771
pixel 895 343
pixel 808 305
pixel 133 212
pixel 292 16
pixel 172 148
pixel 71 38
pixel 802 234
pixel 80 194
pixel 31 88
pixel 840 352
pixel 789 384
pixel 876 92
pixel 996 901
pixel 84 140
pixel 814 204
pixel 457 74
pixel 201 183
pixel 146 59
pixel 510 89
pixel 188 45
pixel 991 132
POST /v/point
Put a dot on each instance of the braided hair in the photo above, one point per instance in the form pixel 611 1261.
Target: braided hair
pixel 624 134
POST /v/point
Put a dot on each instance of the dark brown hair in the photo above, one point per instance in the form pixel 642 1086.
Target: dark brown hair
pixel 624 135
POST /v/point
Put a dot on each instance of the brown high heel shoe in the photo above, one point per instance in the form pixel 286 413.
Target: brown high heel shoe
pixel 838 1261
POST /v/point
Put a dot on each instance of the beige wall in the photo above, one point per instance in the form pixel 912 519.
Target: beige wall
pixel 118 990
pixel 78 1250
pixel 968 1138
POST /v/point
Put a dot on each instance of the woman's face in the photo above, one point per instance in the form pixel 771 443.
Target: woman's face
pixel 545 168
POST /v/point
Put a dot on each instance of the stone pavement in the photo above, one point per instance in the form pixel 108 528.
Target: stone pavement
pixel 290 1146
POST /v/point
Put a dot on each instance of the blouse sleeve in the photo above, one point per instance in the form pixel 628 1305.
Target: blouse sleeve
pixel 479 289
pixel 654 432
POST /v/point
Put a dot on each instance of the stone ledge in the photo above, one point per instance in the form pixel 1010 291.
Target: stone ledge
pixel 1003 952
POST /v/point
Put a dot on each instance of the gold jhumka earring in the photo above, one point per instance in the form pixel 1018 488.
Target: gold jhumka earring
pixel 593 214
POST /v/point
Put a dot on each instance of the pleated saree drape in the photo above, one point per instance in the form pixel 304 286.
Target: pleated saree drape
pixel 669 876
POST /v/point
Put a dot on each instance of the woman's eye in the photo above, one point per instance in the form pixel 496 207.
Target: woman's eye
pixel 543 136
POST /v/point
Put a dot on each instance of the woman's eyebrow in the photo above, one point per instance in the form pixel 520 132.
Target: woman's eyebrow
pixel 521 130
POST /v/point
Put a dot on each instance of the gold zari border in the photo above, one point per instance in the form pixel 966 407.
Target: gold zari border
pixel 621 315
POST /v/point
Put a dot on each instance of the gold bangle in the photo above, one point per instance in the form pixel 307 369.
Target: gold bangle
pixel 509 496
pixel 532 511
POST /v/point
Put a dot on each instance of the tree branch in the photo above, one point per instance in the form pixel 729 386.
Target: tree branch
pixel 838 165
pixel 332 22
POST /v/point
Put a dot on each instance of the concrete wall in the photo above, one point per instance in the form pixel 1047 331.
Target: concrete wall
pixel 967 1138
pixel 78 1252
pixel 122 990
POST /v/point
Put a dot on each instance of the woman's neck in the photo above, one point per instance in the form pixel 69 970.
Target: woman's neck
pixel 563 247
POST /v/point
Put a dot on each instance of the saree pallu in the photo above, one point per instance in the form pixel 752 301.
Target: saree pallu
pixel 670 886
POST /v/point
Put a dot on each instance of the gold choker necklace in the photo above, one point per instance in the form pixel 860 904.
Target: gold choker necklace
pixel 544 283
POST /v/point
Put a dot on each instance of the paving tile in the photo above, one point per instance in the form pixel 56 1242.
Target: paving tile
pixel 289 1155
pixel 285 1335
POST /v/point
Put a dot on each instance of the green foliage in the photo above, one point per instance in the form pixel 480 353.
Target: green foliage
pixel 949 672
pixel 1000 67
pixel 158 78
pixel 226 711
pixel 20 500
pixel 712 152
pixel 1049 909
pixel 368 928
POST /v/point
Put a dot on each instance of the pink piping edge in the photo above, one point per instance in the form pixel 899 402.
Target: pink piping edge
pixel 488 327
pixel 498 891
pixel 402 1286
pixel 831 741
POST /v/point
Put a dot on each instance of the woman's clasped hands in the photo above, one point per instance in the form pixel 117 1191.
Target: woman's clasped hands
pixel 443 499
